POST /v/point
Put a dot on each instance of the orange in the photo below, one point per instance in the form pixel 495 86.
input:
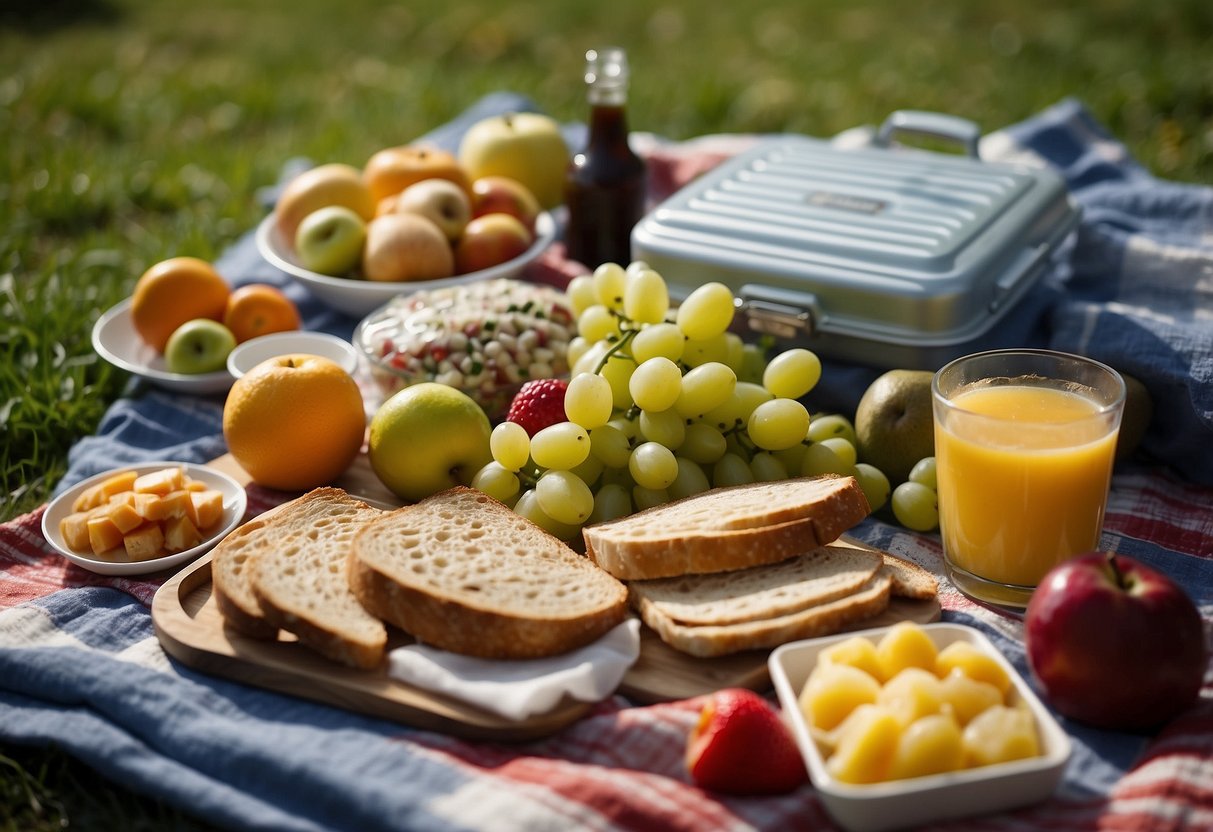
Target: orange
pixel 391 170
pixel 294 422
pixel 172 292
pixel 259 309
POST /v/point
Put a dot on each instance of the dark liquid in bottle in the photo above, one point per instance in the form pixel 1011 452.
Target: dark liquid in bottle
pixel 605 192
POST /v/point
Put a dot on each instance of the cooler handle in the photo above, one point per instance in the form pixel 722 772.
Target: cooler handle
pixel 937 125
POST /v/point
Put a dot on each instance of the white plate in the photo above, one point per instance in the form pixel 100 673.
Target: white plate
pixel 235 501
pixel 360 297
pixel 248 355
pixel 900 803
pixel 115 340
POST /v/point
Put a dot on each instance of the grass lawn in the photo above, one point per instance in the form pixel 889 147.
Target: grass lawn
pixel 131 132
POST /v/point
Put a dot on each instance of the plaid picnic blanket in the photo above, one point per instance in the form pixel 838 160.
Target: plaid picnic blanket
pixel 81 668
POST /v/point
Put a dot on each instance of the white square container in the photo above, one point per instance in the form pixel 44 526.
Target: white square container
pixel 901 803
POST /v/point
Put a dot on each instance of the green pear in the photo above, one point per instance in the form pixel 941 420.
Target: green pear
pixel 893 423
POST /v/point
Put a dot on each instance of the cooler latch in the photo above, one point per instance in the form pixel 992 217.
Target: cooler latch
pixel 783 314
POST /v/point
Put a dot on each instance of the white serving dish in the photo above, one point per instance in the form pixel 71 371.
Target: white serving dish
pixel 902 803
pixel 248 355
pixel 115 340
pixel 235 502
pixel 360 297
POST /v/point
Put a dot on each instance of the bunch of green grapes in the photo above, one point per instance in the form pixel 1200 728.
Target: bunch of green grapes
pixel 916 501
pixel 664 403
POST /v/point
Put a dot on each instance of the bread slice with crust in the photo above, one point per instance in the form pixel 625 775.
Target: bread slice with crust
pixel 909 579
pixel 726 529
pixel 464 573
pixel 824 574
pixel 230 584
pixel 298 576
pixel 711 640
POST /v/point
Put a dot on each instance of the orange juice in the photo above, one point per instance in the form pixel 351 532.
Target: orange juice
pixel 1023 479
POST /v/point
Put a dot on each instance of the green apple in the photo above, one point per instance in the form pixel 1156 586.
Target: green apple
pixel 527 147
pixel 199 346
pixel 330 240
pixel 894 425
pixel 426 438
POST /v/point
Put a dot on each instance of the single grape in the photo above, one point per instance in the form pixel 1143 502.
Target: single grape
pixel 792 457
pixel 915 506
pixel 819 459
pixel 649 497
pixel 618 372
pixel 590 470
pixel 597 324
pixel 767 467
pixel 510 445
pixel 830 426
pixel 564 497
pixel 792 373
pixel 874 483
pixel 696 352
pixel 581 294
pixel 610 445
pixel 924 472
pixel 590 358
pixel 842 448
pixel 653 466
pixel 561 446
pixel 497 481
pixel 734 352
pixel 702 443
pixel 656 384
pixel 704 388
pixel 610 282
pixel 646 299
pixel 779 423
pixel 588 400
pixel 625 425
pixel 731 469
pixel 753 364
pixel 707 311
pixel 528 507
pixel 690 480
pixel 665 427
pixel 736 409
pixel 663 340
pixel 636 267
pixel 578 345
pixel 612 501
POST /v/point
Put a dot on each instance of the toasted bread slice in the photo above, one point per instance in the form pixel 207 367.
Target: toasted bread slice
pixel 729 528
pixel 298 576
pixel 909 579
pixel 464 573
pixel 722 639
pixel 822 575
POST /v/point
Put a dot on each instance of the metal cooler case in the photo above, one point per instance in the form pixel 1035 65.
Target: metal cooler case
pixel 889 258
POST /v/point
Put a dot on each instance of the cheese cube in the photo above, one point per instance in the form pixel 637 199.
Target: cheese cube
pixel 160 482
pixel 90 497
pixel 144 543
pixel 74 530
pixel 173 504
pixel 118 483
pixel 195 485
pixel 103 535
pixel 207 507
pixel 124 517
pixel 180 534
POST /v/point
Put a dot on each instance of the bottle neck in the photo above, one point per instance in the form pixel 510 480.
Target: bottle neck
pixel 608 123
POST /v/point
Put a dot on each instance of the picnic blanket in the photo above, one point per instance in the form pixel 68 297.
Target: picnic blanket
pixel 81 668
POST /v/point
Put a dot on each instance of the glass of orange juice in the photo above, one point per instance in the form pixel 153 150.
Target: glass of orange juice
pixel 1024 445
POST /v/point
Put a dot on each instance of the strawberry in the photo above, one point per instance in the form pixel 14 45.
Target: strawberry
pixel 538 404
pixel 741 746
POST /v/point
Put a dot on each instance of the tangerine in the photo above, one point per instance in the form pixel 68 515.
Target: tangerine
pixel 172 292
pixel 392 169
pixel 259 309
pixel 294 422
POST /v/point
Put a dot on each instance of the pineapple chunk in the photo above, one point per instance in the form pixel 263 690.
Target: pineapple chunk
pixel 856 651
pixel 123 516
pixel 833 692
pixel 90 497
pixel 966 697
pixel 930 745
pixel 118 483
pixel 974 662
pixel 207 507
pixel 912 694
pixel 180 534
pixel 1000 734
pixel 74 530
pixel 144 543
pixel 904 645
pixel 103 535
pixel 161 482
pixel 866 745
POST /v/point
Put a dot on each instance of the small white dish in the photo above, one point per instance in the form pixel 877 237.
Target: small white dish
pixel 235 502
pixel 901 803
pixel 115 340
pixel 248 355
pixel 360 297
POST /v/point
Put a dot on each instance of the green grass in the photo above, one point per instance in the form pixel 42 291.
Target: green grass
pixel 130 132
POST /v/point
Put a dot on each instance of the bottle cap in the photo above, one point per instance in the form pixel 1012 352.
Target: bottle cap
pixel 606 73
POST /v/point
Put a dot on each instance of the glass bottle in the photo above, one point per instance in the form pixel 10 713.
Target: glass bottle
pixel 605 187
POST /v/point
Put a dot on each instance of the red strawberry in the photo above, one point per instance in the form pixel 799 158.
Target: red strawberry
pixel 740 746
pixel 538 404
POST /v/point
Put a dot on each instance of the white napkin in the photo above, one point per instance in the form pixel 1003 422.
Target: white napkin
pixel 518 689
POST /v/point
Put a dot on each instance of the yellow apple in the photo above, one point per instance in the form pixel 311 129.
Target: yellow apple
pixel 402 247
pixel 331 184
pixel 523 146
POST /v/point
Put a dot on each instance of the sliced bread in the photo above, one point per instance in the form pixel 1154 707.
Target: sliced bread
pixel 909 579
pixel 711 640
pixel 230 584
pixel 728 528
pixel 464 573
pixel 298 576
pixel 813 578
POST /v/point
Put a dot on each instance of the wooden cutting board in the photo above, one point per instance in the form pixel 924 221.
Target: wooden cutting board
pixel 191 629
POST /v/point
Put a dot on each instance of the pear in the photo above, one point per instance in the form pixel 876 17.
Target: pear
pixel 893 423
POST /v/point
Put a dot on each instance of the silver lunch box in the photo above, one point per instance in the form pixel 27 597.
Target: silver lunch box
pixel 879 256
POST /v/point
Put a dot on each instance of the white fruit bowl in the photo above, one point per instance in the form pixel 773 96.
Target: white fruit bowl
pixel 248 355
pixel 358 297
pixel 920 800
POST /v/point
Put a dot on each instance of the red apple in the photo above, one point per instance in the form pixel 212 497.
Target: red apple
pixel 405 247
pixel 740 746
pixel 501 194
pixel 489 241
pixel 1115 643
